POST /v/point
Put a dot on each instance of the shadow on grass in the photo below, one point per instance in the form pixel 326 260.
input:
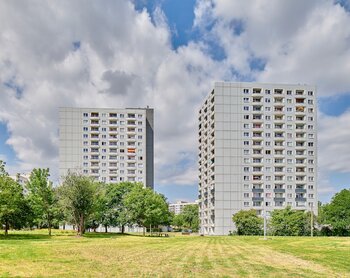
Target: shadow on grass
pixel 24 237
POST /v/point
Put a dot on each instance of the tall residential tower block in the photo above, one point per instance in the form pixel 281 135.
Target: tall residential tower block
pixel 257 150
pixel 111 145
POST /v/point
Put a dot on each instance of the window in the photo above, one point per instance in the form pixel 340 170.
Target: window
pixel 289 178
pixel 85 164
pixel 289 161
pixel 311 196
pixel 268 152
pixel 121 115
pixel 104 129
pixel 246 108
pixel 268 118
pixel 289 186
pixel 246 160
pixel 268 186
pixel 267 100
pixel 289 93
pixel 245 91
pixel 245 99
pixel 267 109
pixel 289 100
pixel 268 92
pixel 268 126
pixel 246 134
pixel 268 135
pixel 289 118
pixel 246 117
pixel 246 143
pixel 310 101
pixel 289 170
pixel 246 186
pixel 85 157
pixel 289 152
pixel 246 169
pixel 103 115
pixel 246 178
pixel 86 143
pixel 289 195
pixel 310 110
pixel 85 114
pixel 85 128
pixel 310 93
pixel 310 186
pixel 267 143
pixel 85 136
pixel 85 150
pixel 246 151
pixel 246 195
pixel 246 204
pixel 246 126
pixel 268 178
pixel 289 109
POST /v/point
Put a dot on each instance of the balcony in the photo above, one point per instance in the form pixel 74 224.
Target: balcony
pixel 300 190
pixel 257 190
pixel 279 190
pixel 257 199
pixel 279 199
pixel 300 199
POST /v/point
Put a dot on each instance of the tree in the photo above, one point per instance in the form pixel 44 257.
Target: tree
pixel 78 194
pixel 248 223
pixel 116 213
pixel 145 207
pixel 190 216
pixel 13 206
pixel 178 220
pixel 288 222
pixel 337 213
pixel 42 197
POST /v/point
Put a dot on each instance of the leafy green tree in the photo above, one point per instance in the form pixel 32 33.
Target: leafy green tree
pixel 13 206
pixel 178 221
pixel 337 213
pixel 78 194
pixel 146 208
pixel 288 222
pixel 116 213
pixel 190 216
pixel 248 223
pixel 42 197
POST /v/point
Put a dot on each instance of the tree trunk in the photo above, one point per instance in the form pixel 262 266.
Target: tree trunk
pixel 106 228
pixel 144 233
pixel 150 229
pixel 49 224
pixel 6 228
pixel 123 229
pixel 81 226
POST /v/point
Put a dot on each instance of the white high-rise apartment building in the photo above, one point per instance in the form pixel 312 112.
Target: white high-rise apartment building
pixel 257 150
pixel 111 145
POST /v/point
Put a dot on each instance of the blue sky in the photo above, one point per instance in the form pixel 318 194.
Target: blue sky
pixel 166 52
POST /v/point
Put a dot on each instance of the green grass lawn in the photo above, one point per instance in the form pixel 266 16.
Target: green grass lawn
pixel 34 254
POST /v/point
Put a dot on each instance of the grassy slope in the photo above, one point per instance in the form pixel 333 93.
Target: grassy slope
pixel 107 255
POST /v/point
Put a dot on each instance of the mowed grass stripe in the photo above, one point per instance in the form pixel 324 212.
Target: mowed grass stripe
pixel 111 255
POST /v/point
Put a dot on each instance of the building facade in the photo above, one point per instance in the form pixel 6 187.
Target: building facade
pixel 110 145
pixel 178 207
pixel 257 150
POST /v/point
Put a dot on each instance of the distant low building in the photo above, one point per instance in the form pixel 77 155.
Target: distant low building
pixel 178 207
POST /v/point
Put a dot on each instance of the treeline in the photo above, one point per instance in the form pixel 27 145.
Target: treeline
pixel 80 201
pixel 333 220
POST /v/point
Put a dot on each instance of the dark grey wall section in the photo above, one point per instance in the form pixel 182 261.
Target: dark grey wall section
pixel 150 148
